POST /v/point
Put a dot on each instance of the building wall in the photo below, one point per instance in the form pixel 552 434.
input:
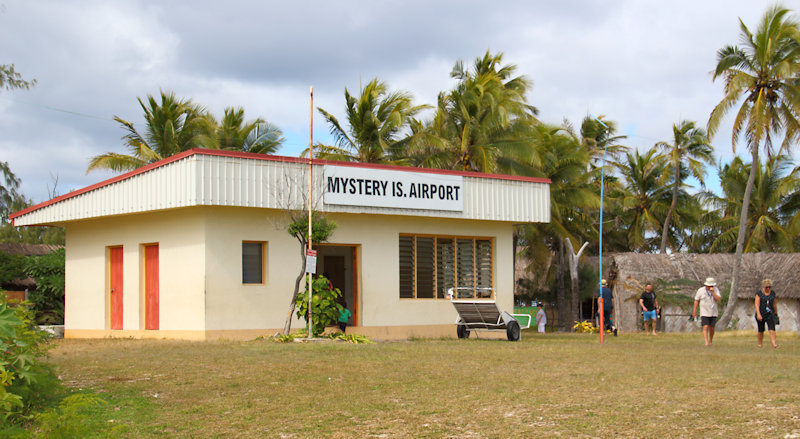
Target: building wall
pixel 230 304
pixel 787 311
pixel 201 290
pixel 179 234
pixel 676 319
pixel 380 304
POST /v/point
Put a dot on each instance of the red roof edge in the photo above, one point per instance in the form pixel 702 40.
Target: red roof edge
pixel 272 158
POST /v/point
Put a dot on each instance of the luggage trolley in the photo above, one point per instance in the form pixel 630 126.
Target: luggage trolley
pixel 476 314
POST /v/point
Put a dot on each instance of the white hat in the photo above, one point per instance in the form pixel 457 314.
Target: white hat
pixel 710 282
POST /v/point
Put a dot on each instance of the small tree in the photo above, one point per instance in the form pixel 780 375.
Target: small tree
pixel 48 297
pixel 325 305
pixel 322 229
pixel 11 267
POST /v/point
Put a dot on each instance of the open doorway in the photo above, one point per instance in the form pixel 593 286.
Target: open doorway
pixel 339 263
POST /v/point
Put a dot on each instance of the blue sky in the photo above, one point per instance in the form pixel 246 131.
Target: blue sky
pixel 645 65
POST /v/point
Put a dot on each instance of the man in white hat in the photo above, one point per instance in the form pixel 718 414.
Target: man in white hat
pixel 708 297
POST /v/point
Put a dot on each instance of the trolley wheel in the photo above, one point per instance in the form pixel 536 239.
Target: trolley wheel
pixel 462 331
pixel 513 331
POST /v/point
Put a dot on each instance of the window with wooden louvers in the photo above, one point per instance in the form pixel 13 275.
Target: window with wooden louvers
pixel 430 265
pixel 445 266
pixel 406 267
pixel 426 268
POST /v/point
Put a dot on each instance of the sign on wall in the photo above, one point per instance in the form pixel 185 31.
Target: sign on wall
pixel 352 186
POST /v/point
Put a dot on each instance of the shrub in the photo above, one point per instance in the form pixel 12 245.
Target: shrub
pixel 69 419
pixel 585 327
pixel 25 383
pixel 11 267
pixel 325 305
pixel 48 297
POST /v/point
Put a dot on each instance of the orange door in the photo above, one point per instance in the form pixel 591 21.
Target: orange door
pixel 116 287
pixel 151 286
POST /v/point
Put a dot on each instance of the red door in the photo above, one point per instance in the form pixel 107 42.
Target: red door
pixel 151 286
pixel 116 287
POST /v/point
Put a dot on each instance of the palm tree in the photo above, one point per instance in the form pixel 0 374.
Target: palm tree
pixel 376 119
pixel 773 206
pixel 172 126
pixel 762 75
pixel 690 147
pixel 561 158
pixel 480 120
pixel 257 136
pixel 645 197
pixel 598 135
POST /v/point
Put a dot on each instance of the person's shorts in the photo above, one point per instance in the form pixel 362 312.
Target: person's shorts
pixel 342 326
pixel 766 321
pixel 649 315
pixel 709 321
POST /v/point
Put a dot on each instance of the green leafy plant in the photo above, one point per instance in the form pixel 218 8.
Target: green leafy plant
pixel 25 383
pixel 48 297
pixel 11 267
pixel 69 419
pixel 325 305
pixel 322 229
pixel 282 338
pixel 351 338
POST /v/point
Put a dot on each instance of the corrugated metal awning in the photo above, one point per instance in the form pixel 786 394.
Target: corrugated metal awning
pixel 223 178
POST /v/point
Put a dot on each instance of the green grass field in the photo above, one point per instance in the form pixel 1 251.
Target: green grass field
pixel 556 385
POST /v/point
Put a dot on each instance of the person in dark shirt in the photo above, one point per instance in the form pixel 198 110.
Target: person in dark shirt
pixel 608 305
pixel 649 304
pixel 766 312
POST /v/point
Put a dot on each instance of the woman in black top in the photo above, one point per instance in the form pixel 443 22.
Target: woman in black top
pixel 765 311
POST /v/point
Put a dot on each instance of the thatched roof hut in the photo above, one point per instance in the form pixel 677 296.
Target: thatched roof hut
pixel 28 249
pixel 629 272
pixel 25 250
pixel 684 273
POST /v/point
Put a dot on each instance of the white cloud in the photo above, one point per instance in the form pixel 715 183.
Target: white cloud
pixel 643 64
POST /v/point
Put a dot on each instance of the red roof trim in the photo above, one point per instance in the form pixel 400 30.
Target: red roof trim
pixel 271 158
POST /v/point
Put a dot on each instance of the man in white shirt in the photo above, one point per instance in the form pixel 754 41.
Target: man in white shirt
pixel 708 297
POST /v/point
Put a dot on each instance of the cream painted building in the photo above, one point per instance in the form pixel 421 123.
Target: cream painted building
pixel 195 246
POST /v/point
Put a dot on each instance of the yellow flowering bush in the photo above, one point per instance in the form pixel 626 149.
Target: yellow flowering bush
pixel 585 327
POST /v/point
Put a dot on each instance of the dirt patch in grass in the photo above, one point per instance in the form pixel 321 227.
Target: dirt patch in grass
pixel 557 385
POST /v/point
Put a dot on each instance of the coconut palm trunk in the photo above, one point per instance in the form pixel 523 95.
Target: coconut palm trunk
pixel 725 320
pixel 665 230
pixel 762 75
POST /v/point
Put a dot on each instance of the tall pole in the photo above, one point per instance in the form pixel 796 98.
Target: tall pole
pixel 600 306
pixel 310 194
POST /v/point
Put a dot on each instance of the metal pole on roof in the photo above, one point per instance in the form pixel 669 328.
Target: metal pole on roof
pixel 310 194
pixel 600 244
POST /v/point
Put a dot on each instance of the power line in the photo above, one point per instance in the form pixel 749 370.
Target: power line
pixel 61 110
